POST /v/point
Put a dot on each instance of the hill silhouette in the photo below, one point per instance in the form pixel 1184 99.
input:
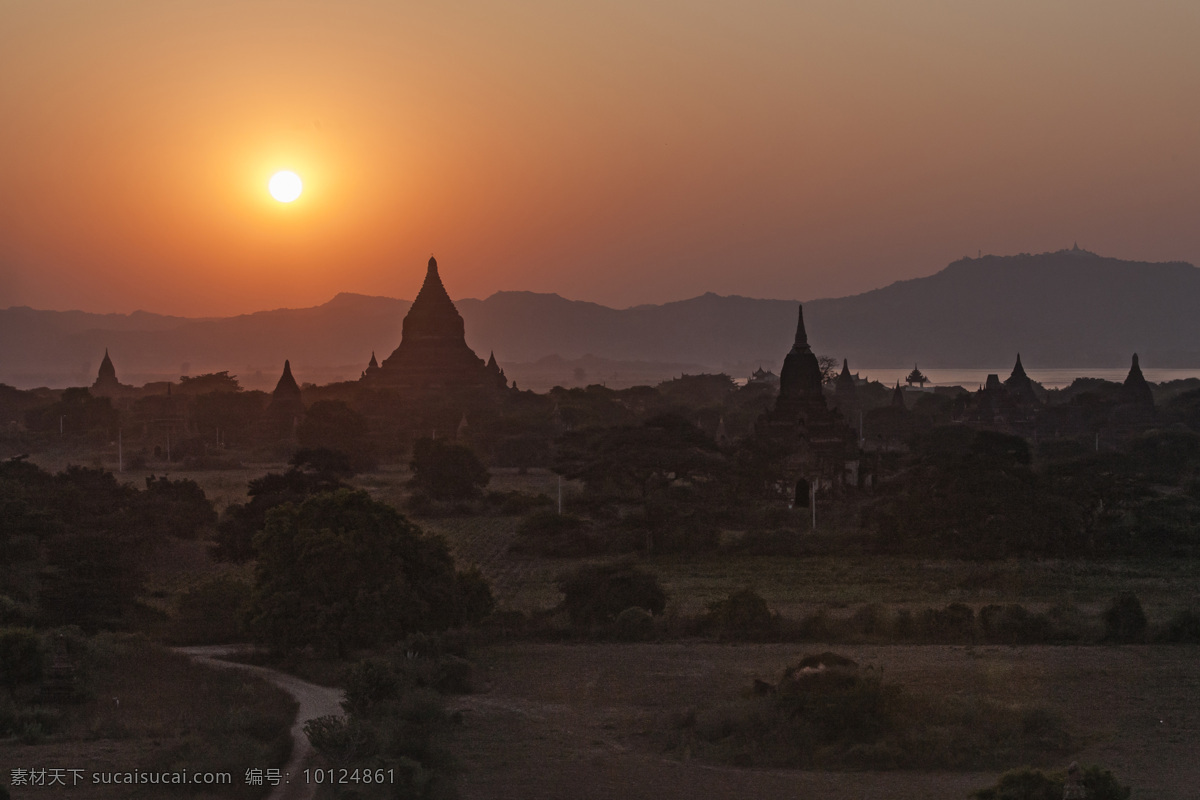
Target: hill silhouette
pixel 1070 308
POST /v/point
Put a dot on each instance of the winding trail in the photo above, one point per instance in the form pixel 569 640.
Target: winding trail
pixel 315 701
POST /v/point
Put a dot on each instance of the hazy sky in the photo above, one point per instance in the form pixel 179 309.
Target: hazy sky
pixel 624 151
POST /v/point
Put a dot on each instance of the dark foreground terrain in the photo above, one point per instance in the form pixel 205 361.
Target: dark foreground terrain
pixel 585 721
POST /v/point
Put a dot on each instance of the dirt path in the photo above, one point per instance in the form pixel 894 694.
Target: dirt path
pixel 315 701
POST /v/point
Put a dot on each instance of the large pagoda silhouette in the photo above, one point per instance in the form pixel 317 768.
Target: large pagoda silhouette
pixel 433 356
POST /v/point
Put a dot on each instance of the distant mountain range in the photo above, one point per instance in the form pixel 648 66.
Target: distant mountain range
pixel 1071 308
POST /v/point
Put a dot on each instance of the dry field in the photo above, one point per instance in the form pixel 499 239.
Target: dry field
pixel 153 710
pixel 579 721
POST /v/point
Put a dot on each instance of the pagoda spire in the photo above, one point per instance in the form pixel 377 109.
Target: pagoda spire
pixel 1136 390
pixel 801 343
pixel 107 371
pixel 287 385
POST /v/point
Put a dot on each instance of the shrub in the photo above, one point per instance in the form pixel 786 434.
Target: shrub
pixel 1183 627
pixel 872 620
pixel 1013 624
pixel 595 595
pixel 955 622
pixel 369 683
pixel 549 534
pixel 473 596
pixel 743 614
pixel 1033 784
pixel 826 713
pixel 816 627
pixel 1125 621
pixel 1025 784
pixel 394 720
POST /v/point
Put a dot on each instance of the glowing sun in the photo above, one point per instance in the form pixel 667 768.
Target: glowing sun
pixel 285 186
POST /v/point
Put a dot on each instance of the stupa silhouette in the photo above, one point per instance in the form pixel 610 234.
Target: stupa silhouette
pixel 433 355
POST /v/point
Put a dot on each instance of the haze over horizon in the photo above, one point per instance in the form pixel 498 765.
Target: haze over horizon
pixel 622 155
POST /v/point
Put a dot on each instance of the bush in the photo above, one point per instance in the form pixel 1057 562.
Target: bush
pixel 1184 627
pixel 872 621
pixel 595 595
pixel 549 534
pixel 369 683
pixel 816 627
pixel 1033 784
pixel 1014 624
pixel 742 615
pixel 473 596
pixel 826 713
pixel 1025 784
pixel 954 623
pixel 1125 621
pixel 395 720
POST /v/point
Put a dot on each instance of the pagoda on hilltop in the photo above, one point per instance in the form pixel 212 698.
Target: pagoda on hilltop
pixel 433 356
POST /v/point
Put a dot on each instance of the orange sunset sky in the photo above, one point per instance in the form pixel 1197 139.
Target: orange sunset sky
pixel 623 152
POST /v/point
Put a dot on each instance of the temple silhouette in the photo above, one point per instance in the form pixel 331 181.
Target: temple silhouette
pixel 821 444
pixel 829 432
pixel 433 356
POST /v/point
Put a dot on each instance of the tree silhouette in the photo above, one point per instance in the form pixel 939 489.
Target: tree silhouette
pixel 343 571
pixel 446 471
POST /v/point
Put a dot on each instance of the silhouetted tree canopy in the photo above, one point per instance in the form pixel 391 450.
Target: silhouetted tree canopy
pixel 447 471
pixel 209 382
pixel 334 425
pixel 241 521
pixel 637 459
pixel 76 412
pixel 342 571
pixel 77 538
pixel 596 594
